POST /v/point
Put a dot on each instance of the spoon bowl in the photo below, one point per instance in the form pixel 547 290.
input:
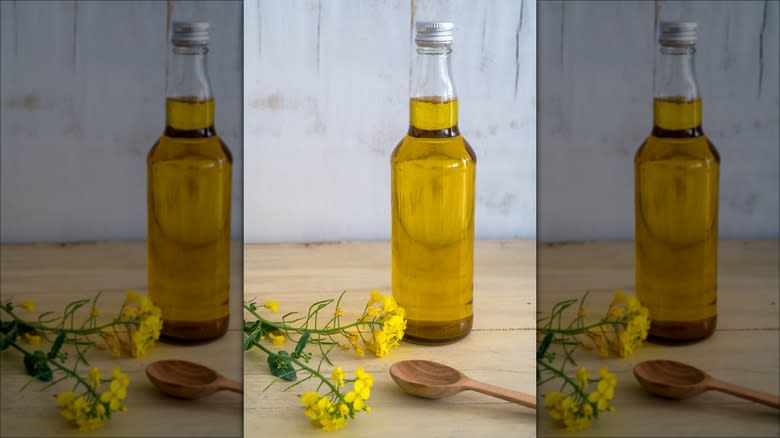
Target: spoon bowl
pixel 188 380
pixel 433 380
pixel 676 380
pixel 671 379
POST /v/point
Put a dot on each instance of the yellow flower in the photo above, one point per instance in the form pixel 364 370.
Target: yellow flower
pixel 376 297
pixel 393 319
pixel 553 398
pixel 32 339
pixel 146 319
pixel 605 391
pixel 93 377
pixel 322 412
pixel 338 377
pixel 631 326
pixel 388 304
pixel 117 391
pixel 276 340
pixel 111 342
pixel 339 312
pixel 361 390
pixel 582 376
pixel 634 334
pixel 28 305
pixel 272 305
pixel 87 412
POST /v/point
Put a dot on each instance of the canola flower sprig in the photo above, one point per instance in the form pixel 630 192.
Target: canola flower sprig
pixel 331 410
pixel 380 328
pixel 86 405
pixel 622 329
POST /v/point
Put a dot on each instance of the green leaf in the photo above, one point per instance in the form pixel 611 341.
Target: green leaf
pixel 55 347
pixel 301 344
pixel 251 339
pixel 281 366
pixel 544 345
pixel 37 365
pixel 7 336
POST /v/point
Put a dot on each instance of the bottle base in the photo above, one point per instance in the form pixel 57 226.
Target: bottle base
pixel 437 332
pixel 682 331
pixel 194 331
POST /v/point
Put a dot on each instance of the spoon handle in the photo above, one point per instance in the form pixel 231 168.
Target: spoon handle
pixel 230 385
pixel 746 393
pixel 520 398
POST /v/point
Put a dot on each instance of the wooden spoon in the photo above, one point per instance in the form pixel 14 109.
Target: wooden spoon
pixel 427 379
pixel 189 380
pixel 677 380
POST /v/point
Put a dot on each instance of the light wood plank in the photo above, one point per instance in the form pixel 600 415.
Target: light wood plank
pixel 53 275
pixel 500 350
pixel 744 350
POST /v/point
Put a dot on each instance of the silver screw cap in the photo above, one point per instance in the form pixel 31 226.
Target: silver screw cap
pixel 190 33
pixel 433 33
pixel 677 33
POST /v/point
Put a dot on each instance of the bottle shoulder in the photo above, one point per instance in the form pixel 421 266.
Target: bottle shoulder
pixel 210 148
pixel 415 148
pixel 698 148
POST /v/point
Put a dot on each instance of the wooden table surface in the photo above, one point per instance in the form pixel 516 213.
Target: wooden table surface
pixel 745 349
pixel 500 349
pixel 53 275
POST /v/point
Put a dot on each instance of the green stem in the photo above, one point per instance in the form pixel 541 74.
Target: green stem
pixel 580 330
pixel 566 378
pixel 331 331
pixel 62 368
pixel 44 328
pixel 304 367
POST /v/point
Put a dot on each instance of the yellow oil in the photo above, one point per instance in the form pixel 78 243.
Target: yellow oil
pixel 676 211
pixel 432 180
pixel 189 182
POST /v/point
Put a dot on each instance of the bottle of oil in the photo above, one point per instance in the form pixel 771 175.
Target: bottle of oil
pixel 676 200
pixel 432 191
pixel 188 187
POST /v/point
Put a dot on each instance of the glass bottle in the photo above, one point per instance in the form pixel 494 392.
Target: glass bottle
pixel 676 174
pixel 188 187
pixel 432 200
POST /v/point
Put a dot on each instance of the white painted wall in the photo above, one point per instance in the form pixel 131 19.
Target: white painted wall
pixel 326 88
pixel 83 100
pixel 595 109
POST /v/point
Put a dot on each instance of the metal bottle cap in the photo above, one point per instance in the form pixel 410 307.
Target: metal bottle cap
pixel 433 33
pixel 677 33
pixel 190 33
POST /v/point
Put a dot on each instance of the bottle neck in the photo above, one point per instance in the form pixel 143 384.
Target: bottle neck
pixel 676 102
pixel 433 106
pixel 189 103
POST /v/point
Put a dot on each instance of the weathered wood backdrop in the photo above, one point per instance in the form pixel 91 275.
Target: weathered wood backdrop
pixel 326 88
pixel 595 109
pixel 83 100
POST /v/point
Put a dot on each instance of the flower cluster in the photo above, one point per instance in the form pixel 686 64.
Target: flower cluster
pixel 635 323
pixel 379 329
pixel 622 329
pixel 145 323
pixel 135 329
pixel 576 410
pixel 389 323
pixel 331 411
pixel 88 410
